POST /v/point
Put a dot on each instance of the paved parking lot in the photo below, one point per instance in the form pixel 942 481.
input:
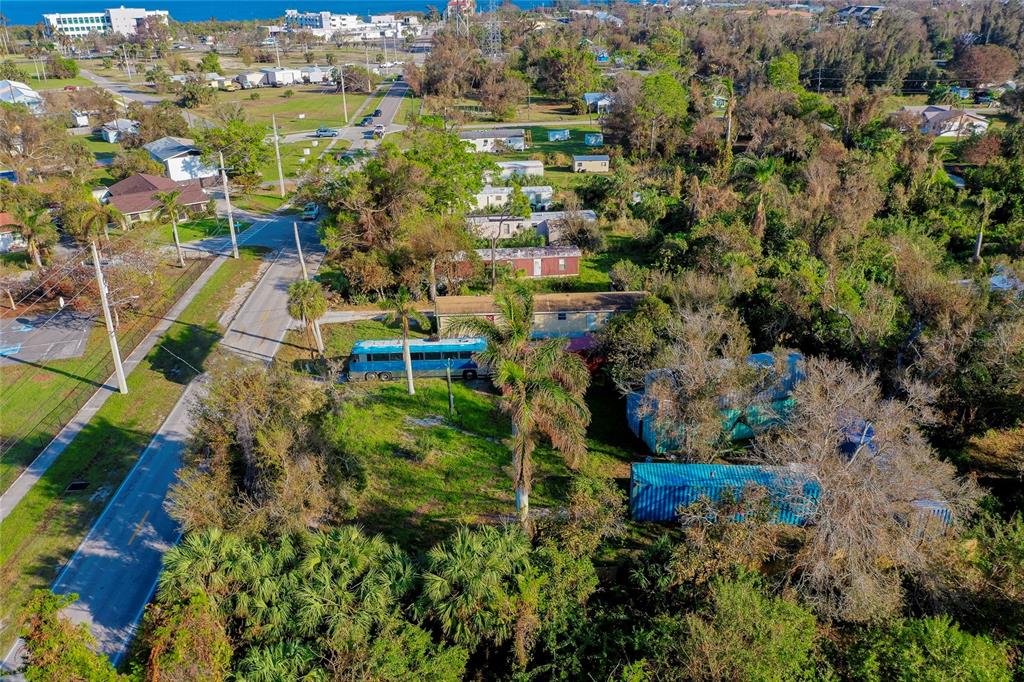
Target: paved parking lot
pixel 41 337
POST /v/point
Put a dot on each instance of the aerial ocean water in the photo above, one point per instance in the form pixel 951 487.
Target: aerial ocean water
pixel 31 11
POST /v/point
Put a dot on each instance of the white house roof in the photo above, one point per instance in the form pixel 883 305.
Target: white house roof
pixel 15 92
pixel 121 125
pixel 590 157
pixel 527 189
pixel 528 163
pixel 169 147
pixel 596 98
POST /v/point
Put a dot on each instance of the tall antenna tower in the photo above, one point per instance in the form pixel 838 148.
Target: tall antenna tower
pixel 492 41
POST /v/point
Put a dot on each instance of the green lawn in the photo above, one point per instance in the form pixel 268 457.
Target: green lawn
pixel 200 229
pixel 559 177
pixel 100 148
pixel 261 202
pixel 38 399
pixel 320 108
pixel 12 264
pixel 43 530
pixel 293 161
pixel 427 472
pixel 56 83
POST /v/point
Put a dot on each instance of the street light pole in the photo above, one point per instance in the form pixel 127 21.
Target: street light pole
pixel 277 153
pixel 122 384
pixel 227 200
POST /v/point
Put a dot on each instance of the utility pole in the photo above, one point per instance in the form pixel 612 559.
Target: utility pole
pixel 298 247
pixel 366 56
pixel 227 200
pixel 317 336
pixel 277 153
pixel 344 102
pixel 278 53
pixel 122 384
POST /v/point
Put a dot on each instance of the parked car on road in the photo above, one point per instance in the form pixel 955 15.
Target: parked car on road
pixel 325 132
pixel 367 120
pixel 377 112
pixel 310 211
pixel 378 130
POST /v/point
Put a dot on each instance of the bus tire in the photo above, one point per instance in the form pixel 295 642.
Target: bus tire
pixel 385 376
pixel 370 376
pixel 469 375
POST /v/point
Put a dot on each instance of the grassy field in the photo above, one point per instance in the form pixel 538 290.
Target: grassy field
pixel 13 263
pixel 57 83
pixel 321 106
pixel 100 148
pixel 259 202
pixel 293 161
pixel 44 529
pixel 37 399
pixel 559 177
pixel 428 471
pixel 539 109
pixel 200 229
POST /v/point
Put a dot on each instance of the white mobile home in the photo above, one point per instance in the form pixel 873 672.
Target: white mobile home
pixel 252 79
pixel 279 75
pixel 492 140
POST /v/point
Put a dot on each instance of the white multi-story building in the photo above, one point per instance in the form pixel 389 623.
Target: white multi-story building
pixel 122 20
pixel 350 27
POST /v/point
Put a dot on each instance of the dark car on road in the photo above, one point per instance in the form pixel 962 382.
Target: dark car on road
pixel 377 112
pixel 367 120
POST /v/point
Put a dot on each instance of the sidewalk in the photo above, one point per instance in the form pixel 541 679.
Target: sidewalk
pixel 28 478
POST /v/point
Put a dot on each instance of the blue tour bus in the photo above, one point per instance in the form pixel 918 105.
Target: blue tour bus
pixel 381 359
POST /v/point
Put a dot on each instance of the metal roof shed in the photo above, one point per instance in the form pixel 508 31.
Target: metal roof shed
pixel 658 490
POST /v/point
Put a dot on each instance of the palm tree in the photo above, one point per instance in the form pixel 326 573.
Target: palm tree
pixel 36 228
pixel 542 386
pixel 306 302
pixel 170 209
pixel 471 584
pixel 402 309
pixel 100 216
pixel 989 201
pixel 761 171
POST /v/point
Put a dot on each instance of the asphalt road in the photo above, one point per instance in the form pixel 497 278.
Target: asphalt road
pixel 115 569
pixel 127 90
pixel 359 137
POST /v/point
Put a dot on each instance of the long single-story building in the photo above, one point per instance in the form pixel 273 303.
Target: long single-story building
pixel 590 163
pixel 279 75
pixel 509 169
pixel 495 139
pixel 531 262
pixel 181 159
pixel 569 315
pixel 540 196
pixel 548 224
pixel 136 196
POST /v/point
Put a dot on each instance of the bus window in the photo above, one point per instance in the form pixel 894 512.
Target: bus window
pixel 451 355
pixel 465 355
pixel 417 356
pixel 432 356
pixel 377 357
pixel 395 357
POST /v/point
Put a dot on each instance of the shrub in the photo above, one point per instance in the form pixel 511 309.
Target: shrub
pixel 928 649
